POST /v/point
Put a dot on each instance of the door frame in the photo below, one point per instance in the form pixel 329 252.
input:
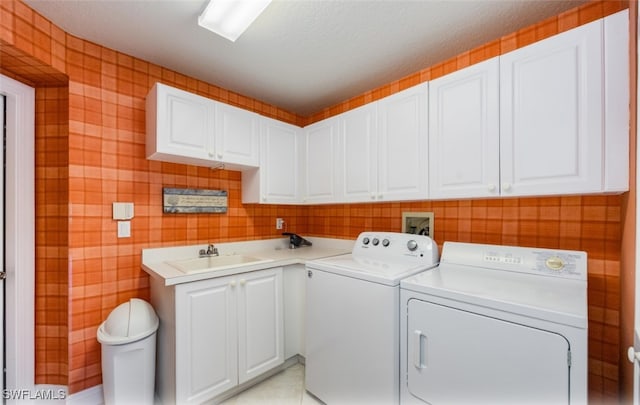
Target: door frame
pixel 20 250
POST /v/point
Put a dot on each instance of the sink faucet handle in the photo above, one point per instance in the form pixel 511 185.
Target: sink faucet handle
pixel 212 250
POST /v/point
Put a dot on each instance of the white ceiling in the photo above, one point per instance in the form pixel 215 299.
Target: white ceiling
pixel 300 55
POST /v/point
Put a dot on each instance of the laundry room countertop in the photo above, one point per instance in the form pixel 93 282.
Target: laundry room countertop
pixel 268 253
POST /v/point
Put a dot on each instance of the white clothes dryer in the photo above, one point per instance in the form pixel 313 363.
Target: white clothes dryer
pixel 352 317
pixel 496 325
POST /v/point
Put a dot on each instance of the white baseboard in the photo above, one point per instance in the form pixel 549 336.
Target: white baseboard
pixel 90 396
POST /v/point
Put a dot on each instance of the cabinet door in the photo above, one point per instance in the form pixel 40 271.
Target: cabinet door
pixel 551 123
pixel 280 168
pixel 206 339
pixel 320 161
pixel 180 125
pixel 237 136
pixel 359 154
pixel 616 90
pixel 464 138
pixel 402 145
pixel 260 322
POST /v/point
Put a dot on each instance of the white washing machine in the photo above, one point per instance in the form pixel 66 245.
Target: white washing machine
pixel 496 325
pixel 352 317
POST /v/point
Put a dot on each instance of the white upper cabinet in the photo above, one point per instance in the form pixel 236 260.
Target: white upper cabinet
pixel 237 135
pixel 616 101
pixel 384 149
pixel 403 145
pixel 278 179
pixel 358 170
pixel 183 127
pixel 321 148
pixel 551 116
pixel 464 133
pixel 180 126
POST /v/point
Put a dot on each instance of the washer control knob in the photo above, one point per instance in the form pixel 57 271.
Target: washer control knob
pixel 555 263
pixel 385 242
pixel 365 240
pixel 375 241
pixel 412 245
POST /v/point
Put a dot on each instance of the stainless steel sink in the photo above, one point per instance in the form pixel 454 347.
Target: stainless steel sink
pixel 215 263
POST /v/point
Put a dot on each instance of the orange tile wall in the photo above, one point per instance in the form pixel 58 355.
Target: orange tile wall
pixel 103 143
pixel 52 236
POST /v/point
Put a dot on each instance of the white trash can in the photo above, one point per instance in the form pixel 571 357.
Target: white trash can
pixel 128 338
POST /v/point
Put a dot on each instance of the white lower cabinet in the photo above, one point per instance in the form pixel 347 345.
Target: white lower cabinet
pixel 295 298
pixel 218 333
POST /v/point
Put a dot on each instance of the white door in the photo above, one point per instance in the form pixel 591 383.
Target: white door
pixel 237 133
pixel 2 232
pixel 260 322
pixel 17 244
pixel 551 120
pixel 403 145
pixel 185 124
pixel 460 357
pixel 280 157
pixel 320 161
pixel 359 154
pixel 206 339
pixel 464 133
pixel 635 349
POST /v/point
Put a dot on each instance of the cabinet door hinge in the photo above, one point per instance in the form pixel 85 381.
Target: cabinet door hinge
pixel 569 358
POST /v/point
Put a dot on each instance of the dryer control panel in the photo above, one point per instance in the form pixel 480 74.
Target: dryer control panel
pixel 548 262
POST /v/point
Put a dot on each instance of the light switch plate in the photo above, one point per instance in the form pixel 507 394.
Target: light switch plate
pixel 124 229
pixel 122 210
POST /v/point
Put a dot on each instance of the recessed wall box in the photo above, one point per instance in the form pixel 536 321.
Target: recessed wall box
pixel 122 210
pixel 420 223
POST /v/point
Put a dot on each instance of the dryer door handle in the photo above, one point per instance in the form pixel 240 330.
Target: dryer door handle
pixel 419 349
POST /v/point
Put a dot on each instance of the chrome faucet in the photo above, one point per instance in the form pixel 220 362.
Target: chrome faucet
pixel 211 251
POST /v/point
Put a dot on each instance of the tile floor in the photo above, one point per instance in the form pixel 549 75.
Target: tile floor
pixel 284 388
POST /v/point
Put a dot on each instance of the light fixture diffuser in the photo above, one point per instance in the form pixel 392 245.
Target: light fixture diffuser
pixel 230 18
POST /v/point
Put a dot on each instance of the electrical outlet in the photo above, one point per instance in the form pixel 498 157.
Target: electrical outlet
pixel 279 223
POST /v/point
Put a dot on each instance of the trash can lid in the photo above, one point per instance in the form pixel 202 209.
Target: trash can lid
pixel 128 322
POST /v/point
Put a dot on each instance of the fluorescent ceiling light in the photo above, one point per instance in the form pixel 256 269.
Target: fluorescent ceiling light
pixel 230 18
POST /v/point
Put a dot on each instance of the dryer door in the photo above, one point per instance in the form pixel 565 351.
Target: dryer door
pixel 455 356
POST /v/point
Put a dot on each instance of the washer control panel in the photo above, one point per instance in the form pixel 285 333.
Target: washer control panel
pixel 396 246
pixel 538 261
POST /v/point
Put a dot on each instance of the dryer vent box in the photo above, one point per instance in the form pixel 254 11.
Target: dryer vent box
pixel 419 223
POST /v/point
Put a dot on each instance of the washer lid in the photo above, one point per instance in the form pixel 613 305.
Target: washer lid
pixel 377 271
pixel 559 300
